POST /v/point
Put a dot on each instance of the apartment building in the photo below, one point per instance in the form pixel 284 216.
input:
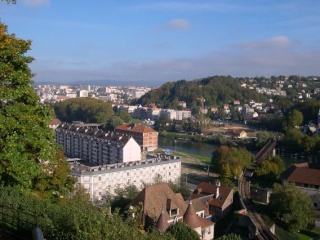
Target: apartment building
pixel 101 181
pixel 145 136
pixel 95 146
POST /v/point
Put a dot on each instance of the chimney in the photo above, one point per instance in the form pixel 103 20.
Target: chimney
pixel 217 192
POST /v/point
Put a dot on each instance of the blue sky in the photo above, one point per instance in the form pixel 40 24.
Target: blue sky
pixel 160 41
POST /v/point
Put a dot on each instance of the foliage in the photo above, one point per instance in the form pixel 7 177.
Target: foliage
pixel 294 118
pixel 25 138
pixel 54 180
pixel 230 236
pixel 86 109
pixel 291 208
pixel 262 138
pixel 231 160
pixel 309 109
pixel 216 91
pixel 180 186
pixel 123 197
pixel 181 231
pixel 72 218
pixel 270 168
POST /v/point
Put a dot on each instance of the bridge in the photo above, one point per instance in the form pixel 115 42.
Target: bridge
pixel 258 227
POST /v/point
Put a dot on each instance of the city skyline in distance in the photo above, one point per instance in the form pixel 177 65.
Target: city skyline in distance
pixel 153 42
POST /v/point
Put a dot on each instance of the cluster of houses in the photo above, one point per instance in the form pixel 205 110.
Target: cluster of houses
pixel 104 161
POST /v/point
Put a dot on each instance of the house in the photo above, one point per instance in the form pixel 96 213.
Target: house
pixel 218 199
pixel 162 207
pixel 237 133
pixel 145 136
pixel 55 122
pixel 305 176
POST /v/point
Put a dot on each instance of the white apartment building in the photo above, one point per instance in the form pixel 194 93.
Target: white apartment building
pixel 183 114
pixel 83 93
pixel 101 181
pixel 96 146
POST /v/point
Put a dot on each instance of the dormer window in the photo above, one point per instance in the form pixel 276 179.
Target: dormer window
pixel 174 212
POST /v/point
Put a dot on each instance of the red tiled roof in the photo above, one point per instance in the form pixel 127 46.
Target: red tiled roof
pixel 205 189
pixel 302 173
pixel 204 223
pixel 138 128
pixel 162 223
pixel 190 217
pixel 155 199
pixel 55 121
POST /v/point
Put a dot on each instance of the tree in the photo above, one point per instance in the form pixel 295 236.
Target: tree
pixel 231 160
pixel 84 109
pixel 263 138
pixel 125 116
pixel 271 168
pixel 182 231
pixel 25 138
pixel 294 118
pixel 291 208
pixel 180 186
pixel 123 196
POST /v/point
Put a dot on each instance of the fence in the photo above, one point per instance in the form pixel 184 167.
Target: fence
pixel 19 224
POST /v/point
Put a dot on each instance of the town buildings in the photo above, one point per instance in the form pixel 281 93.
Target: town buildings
pixel 103 161
pixel 162 207
pixel 217 199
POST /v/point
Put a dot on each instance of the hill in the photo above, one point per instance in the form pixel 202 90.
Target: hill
pixel 216 90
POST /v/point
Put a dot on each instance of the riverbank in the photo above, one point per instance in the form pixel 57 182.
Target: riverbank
pixel 195 168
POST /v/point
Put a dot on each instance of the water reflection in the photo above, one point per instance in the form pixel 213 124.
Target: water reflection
pixel 188 146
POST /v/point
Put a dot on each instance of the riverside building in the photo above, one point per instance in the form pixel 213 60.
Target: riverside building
pixel 106 161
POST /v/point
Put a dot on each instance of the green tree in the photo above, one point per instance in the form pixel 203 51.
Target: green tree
pixel 180 186
pixel 181 231
pixel 125 116
pixel 291 208
pixel 88 110
pixel 25 138
pixel 123 196
pixel 294 118
pixel 263 138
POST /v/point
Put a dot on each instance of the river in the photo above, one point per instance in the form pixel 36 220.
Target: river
pixel 199 148
pixel 206 149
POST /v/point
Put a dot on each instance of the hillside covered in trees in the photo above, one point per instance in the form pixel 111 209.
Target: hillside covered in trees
pixel 216 91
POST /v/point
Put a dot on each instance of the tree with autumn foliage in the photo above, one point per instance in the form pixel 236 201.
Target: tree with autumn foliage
pixel 28 152
pixel 230 161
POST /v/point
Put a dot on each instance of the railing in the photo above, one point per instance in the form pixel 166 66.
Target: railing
pixel 19 224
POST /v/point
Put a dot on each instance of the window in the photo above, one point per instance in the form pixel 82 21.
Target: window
pixel 173 212
pixel 99 178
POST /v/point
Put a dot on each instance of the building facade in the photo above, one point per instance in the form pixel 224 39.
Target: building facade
pixel 96 146
pixel 101 181
pixel 145 136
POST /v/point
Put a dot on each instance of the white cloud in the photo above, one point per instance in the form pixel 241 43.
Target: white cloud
pixel 277 41
pixel 35 3
pixel 179 24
